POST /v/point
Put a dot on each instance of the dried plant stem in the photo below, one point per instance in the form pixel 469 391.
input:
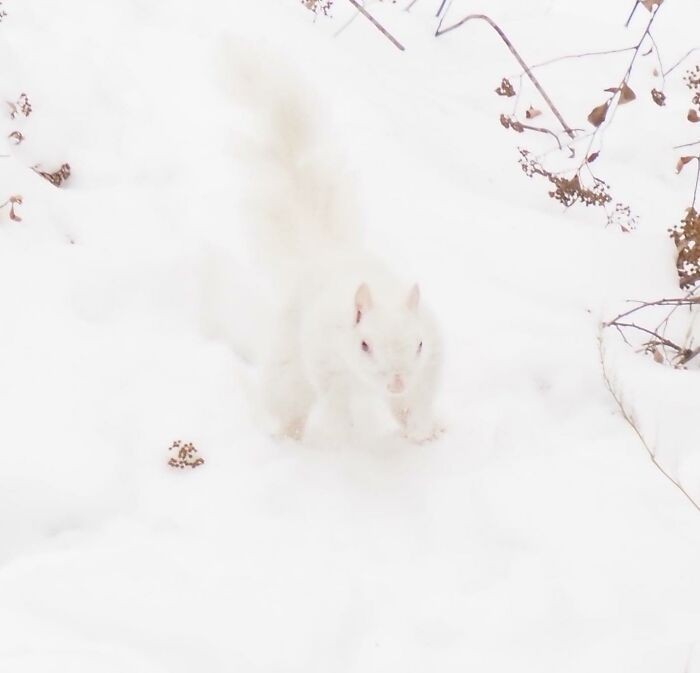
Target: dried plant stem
pixel 613 102
pixel 482 17
pixel 634 9
pixel 677 147
pixel 541 129
pixel 629 418
pixel 697 182
pixel 688 300
pixel 680 60
pixel 585 54
pixel 683 355
pixel 376 24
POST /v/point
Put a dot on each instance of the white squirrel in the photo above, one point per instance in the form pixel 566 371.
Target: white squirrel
pixel 346 327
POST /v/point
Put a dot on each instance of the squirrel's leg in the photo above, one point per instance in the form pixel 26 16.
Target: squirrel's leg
pixel 287 394
pixel 414 412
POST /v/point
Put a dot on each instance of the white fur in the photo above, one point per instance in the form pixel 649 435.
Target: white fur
pixel 334 296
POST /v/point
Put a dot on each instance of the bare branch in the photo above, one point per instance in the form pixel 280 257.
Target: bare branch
pixel 688 300
pixel 629 418
pixel 376 24
pixel 677 147
pixel 634 9
pixel 680 60
pixel 586 54
pixel 513 50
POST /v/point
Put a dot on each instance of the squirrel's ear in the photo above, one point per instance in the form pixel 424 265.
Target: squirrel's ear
pixel 363 301
pixel 413 297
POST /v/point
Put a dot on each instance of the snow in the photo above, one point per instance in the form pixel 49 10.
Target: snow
pixel 535 536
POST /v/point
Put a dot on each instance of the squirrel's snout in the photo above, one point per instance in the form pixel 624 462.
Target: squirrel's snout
pixel 396 385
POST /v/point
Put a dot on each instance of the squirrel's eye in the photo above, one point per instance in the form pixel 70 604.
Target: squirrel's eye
pixel 365 347
pixel 420 346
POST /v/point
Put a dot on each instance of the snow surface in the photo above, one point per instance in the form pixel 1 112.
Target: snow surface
pixel 535 536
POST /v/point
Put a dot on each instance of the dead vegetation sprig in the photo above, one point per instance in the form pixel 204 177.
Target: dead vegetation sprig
pixel 630 419
pixel 686 234
pixel 57 177
pixel 654 338
pixel 15 200
pixel 318 6
pixel 21 106
pixel 577 185
pixel 186 455
pixel 567 190
pixel 324 7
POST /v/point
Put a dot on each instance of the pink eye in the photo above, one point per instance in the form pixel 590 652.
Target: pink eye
pixel 365 347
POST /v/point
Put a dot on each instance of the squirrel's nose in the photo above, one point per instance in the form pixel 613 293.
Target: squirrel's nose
pixel 396 385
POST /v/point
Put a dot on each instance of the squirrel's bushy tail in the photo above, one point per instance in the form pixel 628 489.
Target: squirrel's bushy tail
pixel 299 202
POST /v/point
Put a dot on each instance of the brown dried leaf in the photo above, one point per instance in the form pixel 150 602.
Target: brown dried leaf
pixel 626 94
pixel 598 114
pixel 14 200
pixel 658 355
pixel 659 97
pixel 693 116
pixel 612 89
pixel 16 136
pixel 58 177
pixel 649 4
pixel 532 112
pixel 506 88
pixel 510 123
pixel 592 157
pixel 682 162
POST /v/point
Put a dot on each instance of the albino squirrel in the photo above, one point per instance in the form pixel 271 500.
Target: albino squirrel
pixel 346 327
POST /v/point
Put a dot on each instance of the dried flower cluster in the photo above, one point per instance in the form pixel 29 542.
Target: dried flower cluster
pixel 567 191
pixel 20 106
pixel 621 216
pixel 316 6
pixel 692 81
pixel 686 236
pixel 185 456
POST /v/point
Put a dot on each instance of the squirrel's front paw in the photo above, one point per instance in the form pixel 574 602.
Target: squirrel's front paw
pixel 422 434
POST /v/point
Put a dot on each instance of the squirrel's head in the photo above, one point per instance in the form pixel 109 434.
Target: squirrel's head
pixel 389 343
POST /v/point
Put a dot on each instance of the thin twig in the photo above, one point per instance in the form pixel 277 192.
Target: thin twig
pixel 541 129
pixel 662 340
pixel 677 147
pixel 513 50
pixel 586 54
pixel 697 181
pixel 680 60
pixel 634 9
pixel 631 422
pixel 442 6
pixel 376 24
pixel 613 103
pixel 675 301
